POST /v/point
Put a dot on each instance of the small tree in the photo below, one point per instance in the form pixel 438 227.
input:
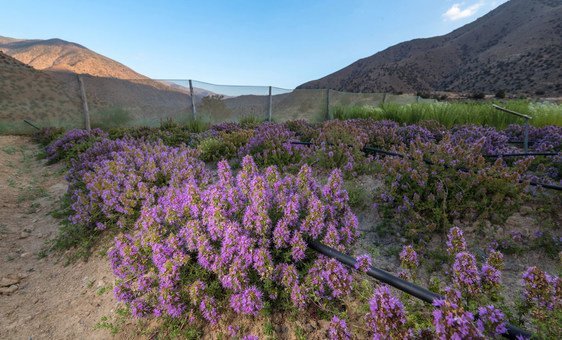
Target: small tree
pixel 214 106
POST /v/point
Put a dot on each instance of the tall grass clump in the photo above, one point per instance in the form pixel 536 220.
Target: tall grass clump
pixel 458 113
pixel 111 118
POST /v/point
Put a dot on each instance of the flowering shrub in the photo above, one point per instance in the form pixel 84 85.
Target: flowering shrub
pixel 71 143
pixel 548 138
pixel 491 141
pixel 340 145
pixel 305 131
pixel 245 235
pixel 387 318
pixel 457 183
pixel 270 145
pixel 543 297
pixel 113 179
pixel 195 245
pixel 338 329
pixel 46 136
pixel 452 321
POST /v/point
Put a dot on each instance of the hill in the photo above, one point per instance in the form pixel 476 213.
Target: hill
pixel 109 84
pixel 26 93
pixel 517 48
pixel 61 55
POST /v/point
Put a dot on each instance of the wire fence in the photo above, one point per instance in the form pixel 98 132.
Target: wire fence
pixel 147 102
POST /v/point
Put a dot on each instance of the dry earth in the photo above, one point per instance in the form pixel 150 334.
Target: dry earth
pixel 40 297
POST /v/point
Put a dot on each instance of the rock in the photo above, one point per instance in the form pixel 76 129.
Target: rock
pixel 28 229
pixel 8 290
pixel 24 255
pixel 24 234
pixel 9 281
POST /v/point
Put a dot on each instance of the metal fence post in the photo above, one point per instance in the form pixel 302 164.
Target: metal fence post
pixel 193 112
pixel 85 108
pixel 383 98
pixel 526 137
pixel 270 106
pixel 526 130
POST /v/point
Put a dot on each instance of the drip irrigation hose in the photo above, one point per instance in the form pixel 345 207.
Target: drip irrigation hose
pixel 522 154
pixel 391 153
pixel 26 121
pixel 396 282
pixel 533 183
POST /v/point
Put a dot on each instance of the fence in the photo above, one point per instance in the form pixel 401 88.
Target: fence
pixel 146 102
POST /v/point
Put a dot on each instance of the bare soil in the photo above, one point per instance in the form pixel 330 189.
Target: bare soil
pixel 40 297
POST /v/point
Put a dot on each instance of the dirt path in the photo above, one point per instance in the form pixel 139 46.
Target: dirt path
pixel 40 298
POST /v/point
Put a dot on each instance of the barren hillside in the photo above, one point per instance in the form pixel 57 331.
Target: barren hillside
pixel 517 48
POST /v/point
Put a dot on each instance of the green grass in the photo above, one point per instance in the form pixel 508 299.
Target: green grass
pixel 457 113
pixel 110 118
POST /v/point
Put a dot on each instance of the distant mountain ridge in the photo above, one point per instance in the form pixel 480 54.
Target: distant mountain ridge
pixel 516 48
pixel 61 55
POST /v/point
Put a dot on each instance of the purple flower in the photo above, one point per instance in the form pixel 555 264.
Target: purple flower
pixel 491 321
pixel 338 329
pixel 465 273
pixel 363 263
pixel 387 317
pixel 247 302
pixel 455 241
pixel 409 258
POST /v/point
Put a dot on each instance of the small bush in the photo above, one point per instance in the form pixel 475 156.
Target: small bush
pixel 46 136
pixel 458 183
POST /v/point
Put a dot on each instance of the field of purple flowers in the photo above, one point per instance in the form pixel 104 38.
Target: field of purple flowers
pixel 210 226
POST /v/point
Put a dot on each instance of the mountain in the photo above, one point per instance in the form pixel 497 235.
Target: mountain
pixel 516 48
pixel 109 85
pixel 26 93
pixel 61 55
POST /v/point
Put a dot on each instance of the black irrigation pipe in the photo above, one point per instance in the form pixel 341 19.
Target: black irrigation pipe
pixel 522 154
pixel 403 285
pixel 520 142
pixel 31 124
pixel 533 183
pixel 391 153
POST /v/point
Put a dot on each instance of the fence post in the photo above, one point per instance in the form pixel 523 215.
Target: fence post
pixel 383 98
pixel 526 137
pixel 193 112
pixel 328 104
pixel 85 108
pixel 270 106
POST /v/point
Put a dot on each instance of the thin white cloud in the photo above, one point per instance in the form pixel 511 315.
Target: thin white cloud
pixel 457 12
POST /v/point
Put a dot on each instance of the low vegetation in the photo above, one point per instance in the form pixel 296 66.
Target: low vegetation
pixel 456 113
pixel 211 224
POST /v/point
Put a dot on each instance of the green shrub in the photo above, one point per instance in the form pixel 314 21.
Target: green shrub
pixel 457 184
pixel 224 146
pixel 45 136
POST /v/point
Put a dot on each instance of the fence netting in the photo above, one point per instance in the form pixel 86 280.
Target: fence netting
pixel 148 102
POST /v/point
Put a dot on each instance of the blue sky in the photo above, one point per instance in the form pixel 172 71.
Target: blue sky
pixel 281 43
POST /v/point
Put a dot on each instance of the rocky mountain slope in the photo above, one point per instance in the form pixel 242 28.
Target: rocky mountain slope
pixel 61 55
pixel 517 48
